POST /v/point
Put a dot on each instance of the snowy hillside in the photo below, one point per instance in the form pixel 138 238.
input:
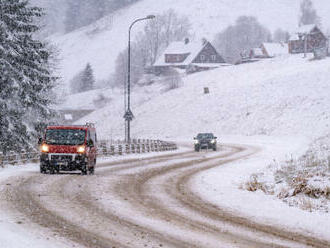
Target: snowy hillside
pixel 280 96
pixel 101 42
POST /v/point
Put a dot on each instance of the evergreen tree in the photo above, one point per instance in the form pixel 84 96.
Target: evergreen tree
pixel 72 16
pixel 83 81
pixel 308 14
pixel 26 82
pixel 87 78
pixel 84 12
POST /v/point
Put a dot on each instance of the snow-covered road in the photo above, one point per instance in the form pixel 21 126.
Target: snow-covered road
pixel 148 200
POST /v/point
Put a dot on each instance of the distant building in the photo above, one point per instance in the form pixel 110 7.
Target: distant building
pixel 269 50
pixel 257 53
pixel 69 116
pixel 307 37
pixel 191 56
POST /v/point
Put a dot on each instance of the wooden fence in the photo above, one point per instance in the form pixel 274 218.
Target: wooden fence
pixel 105 148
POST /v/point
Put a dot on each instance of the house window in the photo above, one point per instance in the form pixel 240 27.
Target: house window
pixel 167 58
pixel 214 57
pixel 202 57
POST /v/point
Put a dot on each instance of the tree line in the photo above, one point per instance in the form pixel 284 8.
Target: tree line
pixel 67 15
pixel 26 78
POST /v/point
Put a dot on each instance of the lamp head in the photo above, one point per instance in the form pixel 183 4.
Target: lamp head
pixel 150 16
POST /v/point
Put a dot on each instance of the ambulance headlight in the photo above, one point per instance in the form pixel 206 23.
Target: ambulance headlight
pixel 44 148
pixel 81 149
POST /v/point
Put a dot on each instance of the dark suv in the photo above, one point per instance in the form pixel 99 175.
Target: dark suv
pixel 205 141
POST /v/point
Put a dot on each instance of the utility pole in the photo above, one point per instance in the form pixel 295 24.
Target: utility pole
pixel 305 45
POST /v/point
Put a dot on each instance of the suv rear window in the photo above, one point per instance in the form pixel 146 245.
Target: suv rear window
pixel 65 136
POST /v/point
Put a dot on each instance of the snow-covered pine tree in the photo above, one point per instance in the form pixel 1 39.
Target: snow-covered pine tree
pixel 26 82
pixel 87 79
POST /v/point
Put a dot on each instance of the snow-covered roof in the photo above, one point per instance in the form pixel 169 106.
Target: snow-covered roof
pixel 68 116
pixel 294 37
pixel 178 47
pixel 274 49
pixel 305 29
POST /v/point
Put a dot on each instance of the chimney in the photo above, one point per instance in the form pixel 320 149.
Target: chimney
pixel 186 41
pixel 204 41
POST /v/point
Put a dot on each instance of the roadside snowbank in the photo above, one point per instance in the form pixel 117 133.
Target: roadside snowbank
pixel 299 181
pixel 222 186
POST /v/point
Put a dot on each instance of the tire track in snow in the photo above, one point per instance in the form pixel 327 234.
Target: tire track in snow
pixel 138 190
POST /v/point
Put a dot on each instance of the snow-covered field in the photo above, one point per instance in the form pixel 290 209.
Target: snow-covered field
pixel 280 96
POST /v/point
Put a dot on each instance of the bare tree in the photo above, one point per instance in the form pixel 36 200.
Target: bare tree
pixel 161 31
pixel 281 35
pixel 137 68
pixel 149 44
pixel 247 33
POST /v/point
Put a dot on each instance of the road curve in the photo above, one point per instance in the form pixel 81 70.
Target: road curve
pixel 144 202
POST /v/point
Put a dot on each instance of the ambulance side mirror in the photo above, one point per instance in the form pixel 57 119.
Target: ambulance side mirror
pixel 90 143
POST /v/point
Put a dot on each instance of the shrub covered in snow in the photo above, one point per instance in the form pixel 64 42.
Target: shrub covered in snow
pixel 302 182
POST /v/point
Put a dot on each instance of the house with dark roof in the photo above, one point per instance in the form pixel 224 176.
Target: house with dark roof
pixel 307 38
pixel 191 56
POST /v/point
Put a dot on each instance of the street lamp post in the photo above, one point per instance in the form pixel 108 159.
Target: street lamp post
pixel 128 114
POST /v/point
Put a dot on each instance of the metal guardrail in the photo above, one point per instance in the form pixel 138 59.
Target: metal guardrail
pixel 105 148
pixel 110 148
